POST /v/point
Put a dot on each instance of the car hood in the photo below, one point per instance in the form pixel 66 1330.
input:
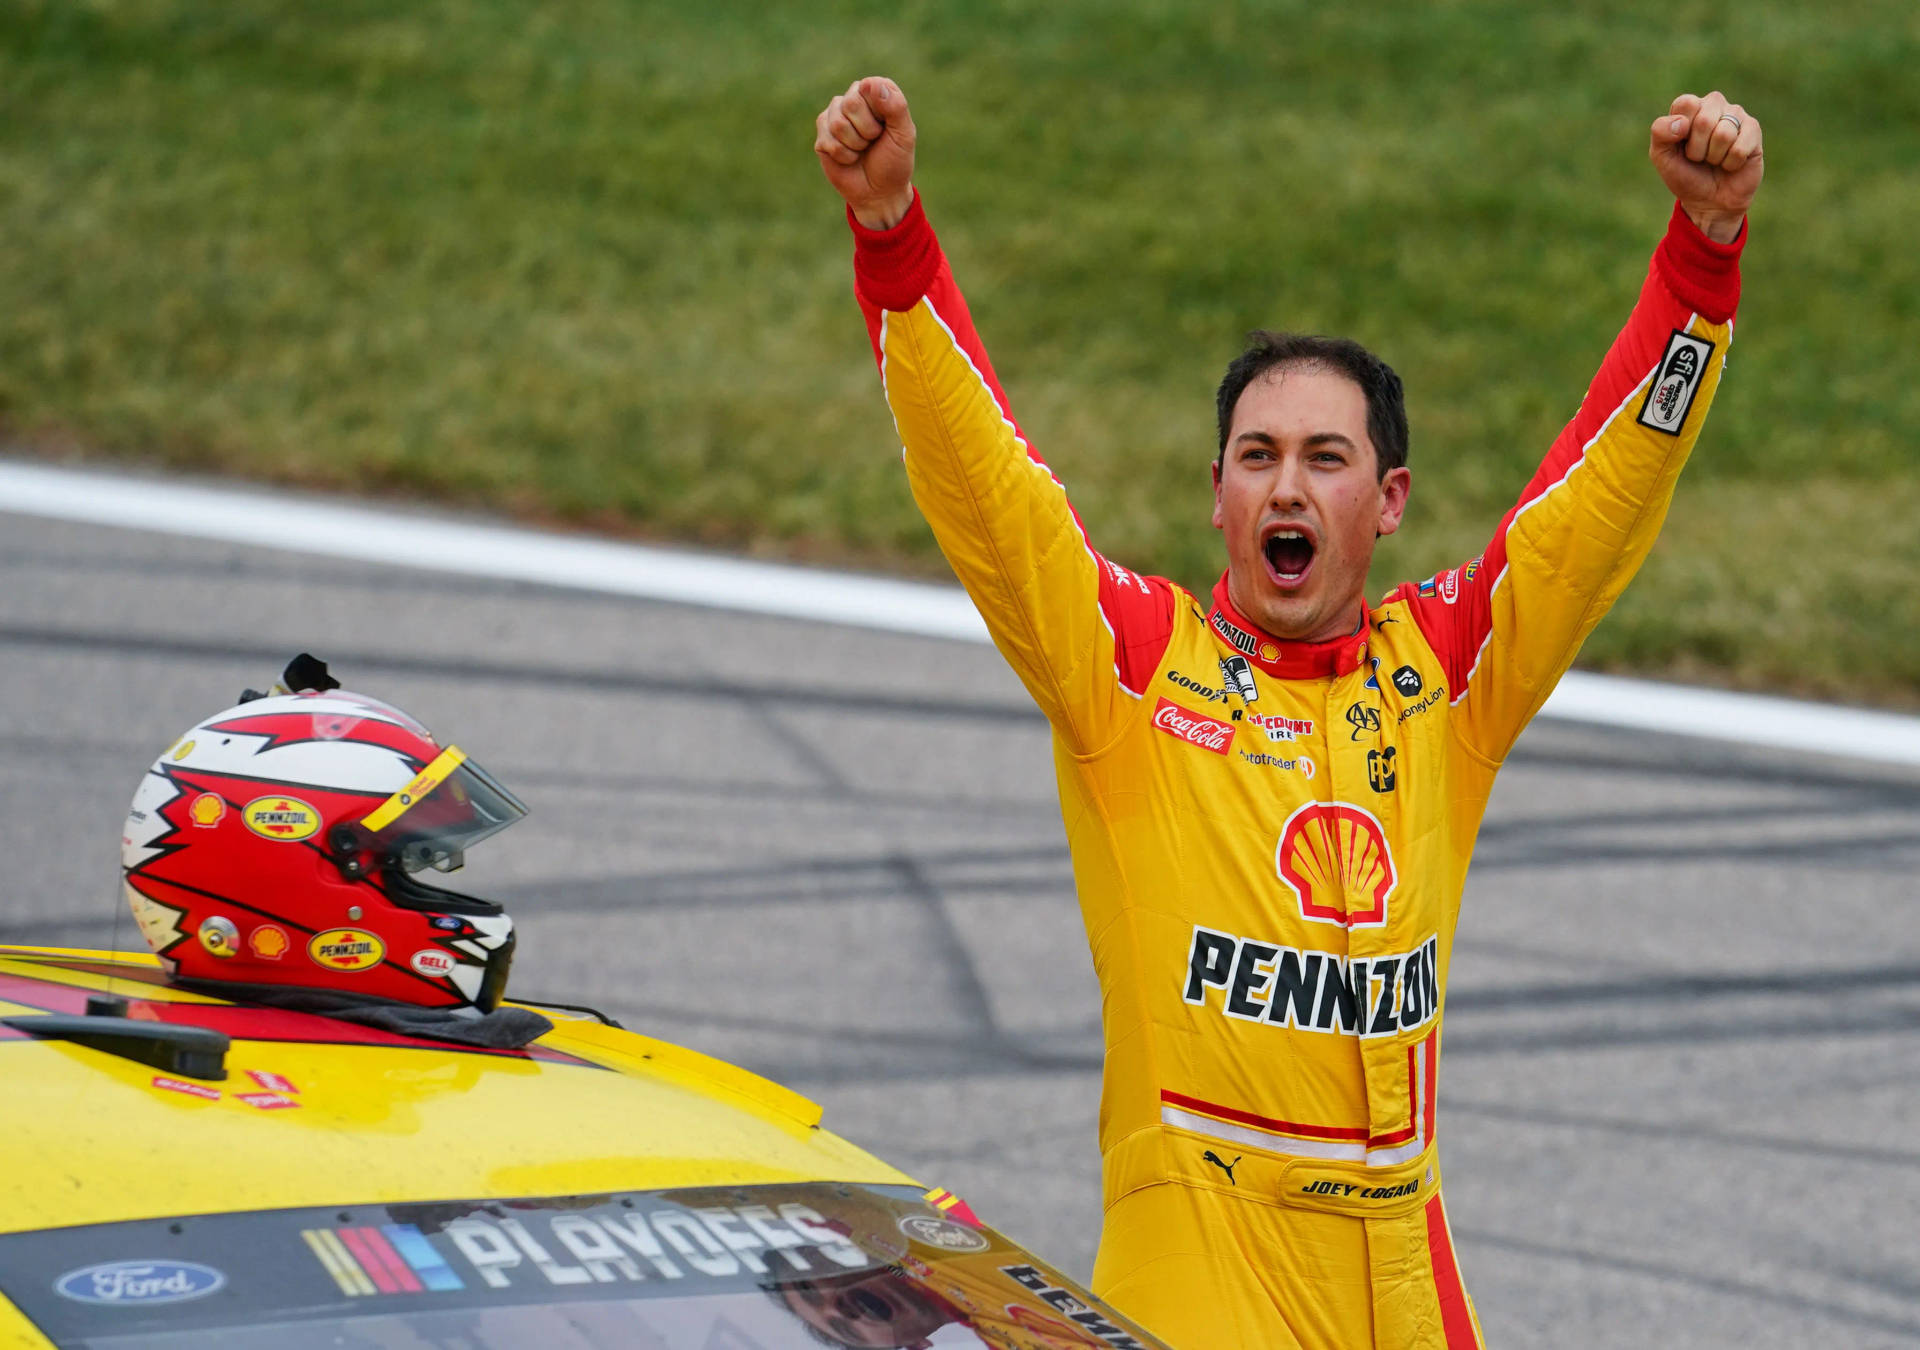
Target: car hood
pixel 316 1111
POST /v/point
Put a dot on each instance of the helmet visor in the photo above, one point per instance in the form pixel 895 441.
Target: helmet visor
pixel 449 806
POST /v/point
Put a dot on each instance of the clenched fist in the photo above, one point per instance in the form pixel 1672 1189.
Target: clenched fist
pixel 1708 153
pixel 864 139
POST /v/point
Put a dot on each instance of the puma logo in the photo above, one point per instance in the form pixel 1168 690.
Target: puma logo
pixel 1227 1167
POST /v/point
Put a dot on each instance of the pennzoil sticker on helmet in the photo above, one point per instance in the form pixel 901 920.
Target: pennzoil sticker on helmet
pixel 284 818
pixel 348 949
pixel 208 810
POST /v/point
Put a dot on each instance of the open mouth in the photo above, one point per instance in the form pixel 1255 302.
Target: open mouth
pixel 1289 555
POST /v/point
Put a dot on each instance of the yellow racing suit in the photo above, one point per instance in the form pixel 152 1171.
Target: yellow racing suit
pixel 1270 838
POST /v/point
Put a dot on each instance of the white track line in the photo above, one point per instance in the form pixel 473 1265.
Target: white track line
pixel 397 538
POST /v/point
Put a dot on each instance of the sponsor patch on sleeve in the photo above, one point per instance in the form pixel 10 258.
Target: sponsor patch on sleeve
pixel 1682 371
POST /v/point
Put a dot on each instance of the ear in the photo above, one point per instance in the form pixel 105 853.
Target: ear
pixel 1394 490
pixel 1219 519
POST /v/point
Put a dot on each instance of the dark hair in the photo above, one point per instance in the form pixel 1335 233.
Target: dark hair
pixel 1386 400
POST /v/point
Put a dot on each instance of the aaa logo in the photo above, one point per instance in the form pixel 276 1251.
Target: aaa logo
pixel 1334 857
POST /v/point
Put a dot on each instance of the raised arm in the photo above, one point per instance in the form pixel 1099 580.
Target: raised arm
pixel 1508 624
pixel 1083 634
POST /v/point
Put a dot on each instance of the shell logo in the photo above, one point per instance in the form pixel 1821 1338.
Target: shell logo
pixel 283 818
pixel 1334 857
pixel 208 810
pixel 348 949
pixel 269 941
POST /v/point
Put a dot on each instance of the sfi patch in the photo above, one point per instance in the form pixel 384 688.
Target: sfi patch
pixel 346 949
pixel 287 819
pixel 1682 371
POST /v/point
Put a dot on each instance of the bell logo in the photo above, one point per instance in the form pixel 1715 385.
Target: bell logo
pixel 1335 859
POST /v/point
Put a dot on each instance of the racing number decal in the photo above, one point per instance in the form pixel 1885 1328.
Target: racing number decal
pixel 1335 859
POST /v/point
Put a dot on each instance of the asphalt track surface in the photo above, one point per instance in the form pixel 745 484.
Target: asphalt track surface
pixel 1681 1101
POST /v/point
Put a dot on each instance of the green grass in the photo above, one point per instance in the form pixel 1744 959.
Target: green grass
pixel 575 261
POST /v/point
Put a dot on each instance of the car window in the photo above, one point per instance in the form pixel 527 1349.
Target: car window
pixel 734 1268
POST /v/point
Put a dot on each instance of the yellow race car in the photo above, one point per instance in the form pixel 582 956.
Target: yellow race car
pixel 308 1119
pixel 187 1171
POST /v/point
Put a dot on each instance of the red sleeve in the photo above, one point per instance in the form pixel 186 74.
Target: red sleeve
pixel 898 269
pixel 1508 623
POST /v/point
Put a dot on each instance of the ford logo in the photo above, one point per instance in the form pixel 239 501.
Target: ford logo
pixel 141 1282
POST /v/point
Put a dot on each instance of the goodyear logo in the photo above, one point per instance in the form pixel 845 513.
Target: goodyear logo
pixel 347 949
pixel 283 818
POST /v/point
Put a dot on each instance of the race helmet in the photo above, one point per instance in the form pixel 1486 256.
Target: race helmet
pixel 281 843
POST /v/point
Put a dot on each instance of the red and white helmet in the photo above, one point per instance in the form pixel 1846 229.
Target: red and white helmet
pixel 278 843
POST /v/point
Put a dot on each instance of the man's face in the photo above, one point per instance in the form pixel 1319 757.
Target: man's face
pixel 1299 500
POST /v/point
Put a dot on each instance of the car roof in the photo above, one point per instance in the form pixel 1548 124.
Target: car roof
pixel 316 1111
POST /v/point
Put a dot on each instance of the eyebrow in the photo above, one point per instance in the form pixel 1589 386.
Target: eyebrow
pixel 1318 438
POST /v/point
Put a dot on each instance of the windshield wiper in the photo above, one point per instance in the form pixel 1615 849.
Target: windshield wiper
pixel 191 1052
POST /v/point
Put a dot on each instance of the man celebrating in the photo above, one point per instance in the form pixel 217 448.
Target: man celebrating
pixel 1271 796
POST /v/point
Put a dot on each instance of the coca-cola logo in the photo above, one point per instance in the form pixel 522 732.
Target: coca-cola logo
pixel 1192 727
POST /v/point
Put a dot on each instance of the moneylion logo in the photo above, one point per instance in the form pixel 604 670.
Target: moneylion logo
pixel 1335 859
pixel 284 818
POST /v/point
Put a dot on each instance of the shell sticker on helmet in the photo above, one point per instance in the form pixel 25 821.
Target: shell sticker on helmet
pixel 287 819
pixel 347 949
pixel 269 941
pixel 208 810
